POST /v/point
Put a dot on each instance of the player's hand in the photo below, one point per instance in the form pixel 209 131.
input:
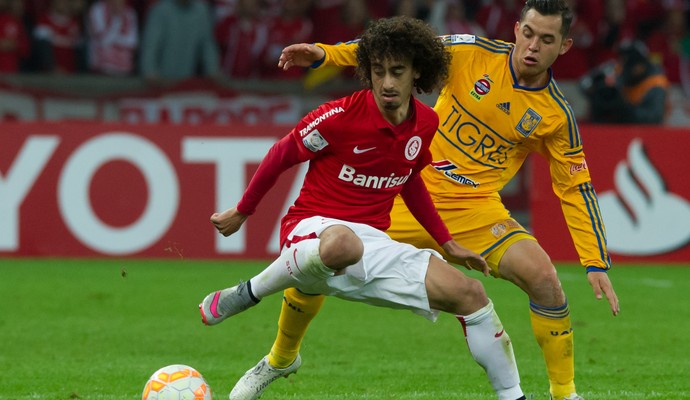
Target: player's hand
pixel 601 284
pixel 300 55
pixel 465 257
pixel 228 221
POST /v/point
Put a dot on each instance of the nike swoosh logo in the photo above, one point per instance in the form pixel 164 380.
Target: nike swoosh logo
pixel 499 334
pixel 357 150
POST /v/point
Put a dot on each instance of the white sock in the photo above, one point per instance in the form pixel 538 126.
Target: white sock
pixel 298 265
pixel 491 348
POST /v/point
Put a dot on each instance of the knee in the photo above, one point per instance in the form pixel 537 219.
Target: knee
pixel 475 291
pixel 546 287
pixel 340 247
pixel 469 298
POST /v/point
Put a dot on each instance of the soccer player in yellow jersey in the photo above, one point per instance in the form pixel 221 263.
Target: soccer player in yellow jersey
pixel 500 104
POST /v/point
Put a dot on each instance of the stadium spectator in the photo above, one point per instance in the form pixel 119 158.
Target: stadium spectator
pixel 339 20
pixel 614 28
pixel 634 90
pixel 243 39
pixel 292 25
pixel 450 16
pixel 178 42
pixel 497 87
pixel 578 61
pixel 113 37
pixel 58 38
pixel 498 17
pixel 665 42
pixel 14 42
pixel 332 239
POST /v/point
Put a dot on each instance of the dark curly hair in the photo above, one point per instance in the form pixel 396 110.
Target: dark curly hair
pixel 404 38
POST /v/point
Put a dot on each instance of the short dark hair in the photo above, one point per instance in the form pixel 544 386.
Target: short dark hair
pixel 404 38
pixel 551 7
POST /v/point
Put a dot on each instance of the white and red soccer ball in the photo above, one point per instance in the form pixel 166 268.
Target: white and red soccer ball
pixel 176 382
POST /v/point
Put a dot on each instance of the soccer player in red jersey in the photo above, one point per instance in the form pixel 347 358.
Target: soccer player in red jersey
pixel 363 150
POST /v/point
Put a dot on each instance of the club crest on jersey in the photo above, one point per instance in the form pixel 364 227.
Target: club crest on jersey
pixel 528 122
pixel 481 87
pixel 446 168
pixel 314 141
pixel 413 147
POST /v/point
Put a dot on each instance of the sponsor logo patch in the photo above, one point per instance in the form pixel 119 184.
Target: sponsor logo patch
pixel 481 87
pixel 446 167
pixel 320 119
pixel 357 150
pixel 575 168
pixel 505 107
pixel 349 174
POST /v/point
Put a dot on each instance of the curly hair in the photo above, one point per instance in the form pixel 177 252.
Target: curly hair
pixel 404 38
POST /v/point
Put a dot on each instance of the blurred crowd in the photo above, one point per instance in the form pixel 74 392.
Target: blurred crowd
pixel 175 39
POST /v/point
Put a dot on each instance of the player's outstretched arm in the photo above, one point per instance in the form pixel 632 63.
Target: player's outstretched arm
pixel 228 221
pixel 465 257
pixel 300 55
pixel 601 284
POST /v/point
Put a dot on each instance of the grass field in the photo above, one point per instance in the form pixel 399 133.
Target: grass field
pixel 96 329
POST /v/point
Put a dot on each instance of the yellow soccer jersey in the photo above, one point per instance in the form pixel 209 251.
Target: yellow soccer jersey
pixel 488 124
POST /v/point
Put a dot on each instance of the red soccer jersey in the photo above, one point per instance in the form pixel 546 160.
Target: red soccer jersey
pixel 359 162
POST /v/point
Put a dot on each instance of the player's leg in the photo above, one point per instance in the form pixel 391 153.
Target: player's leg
pixel 293 323
pixel 296 314
pixel 451 291
pixel 527 265
pixel 327 249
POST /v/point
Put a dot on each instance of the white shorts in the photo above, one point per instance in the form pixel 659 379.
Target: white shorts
pixel 390 274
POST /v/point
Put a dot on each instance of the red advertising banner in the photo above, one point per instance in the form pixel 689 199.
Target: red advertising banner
pixel 94 189
pixel 640 174
pixel 195 102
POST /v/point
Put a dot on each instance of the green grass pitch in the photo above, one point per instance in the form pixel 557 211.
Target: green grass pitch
pixel 96 329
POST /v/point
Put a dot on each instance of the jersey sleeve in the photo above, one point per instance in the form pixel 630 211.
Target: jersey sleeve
pixel 572 184
pixel 280 157
pixel 419 202
pixel 341 54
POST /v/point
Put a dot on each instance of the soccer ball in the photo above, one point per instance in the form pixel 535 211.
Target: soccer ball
pixel 176 382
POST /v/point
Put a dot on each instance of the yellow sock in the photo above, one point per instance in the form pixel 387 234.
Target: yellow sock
pixel 297 312
pixel 554 334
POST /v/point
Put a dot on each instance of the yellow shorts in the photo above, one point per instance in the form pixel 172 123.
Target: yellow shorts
pixel 487 229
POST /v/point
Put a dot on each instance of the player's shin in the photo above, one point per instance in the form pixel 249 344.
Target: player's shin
pixel 297 312
pixel 554 334
pixel 491 348
pixel 299 265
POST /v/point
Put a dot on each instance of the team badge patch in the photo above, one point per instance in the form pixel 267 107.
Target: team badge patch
pixel 413 147
pixel 528 122
pixel 314 141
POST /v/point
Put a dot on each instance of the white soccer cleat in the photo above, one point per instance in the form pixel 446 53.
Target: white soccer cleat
pixel 257 379
pixel 225 303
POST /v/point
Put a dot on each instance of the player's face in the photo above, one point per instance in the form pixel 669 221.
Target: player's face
pixel 392 82
pixel 538 42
